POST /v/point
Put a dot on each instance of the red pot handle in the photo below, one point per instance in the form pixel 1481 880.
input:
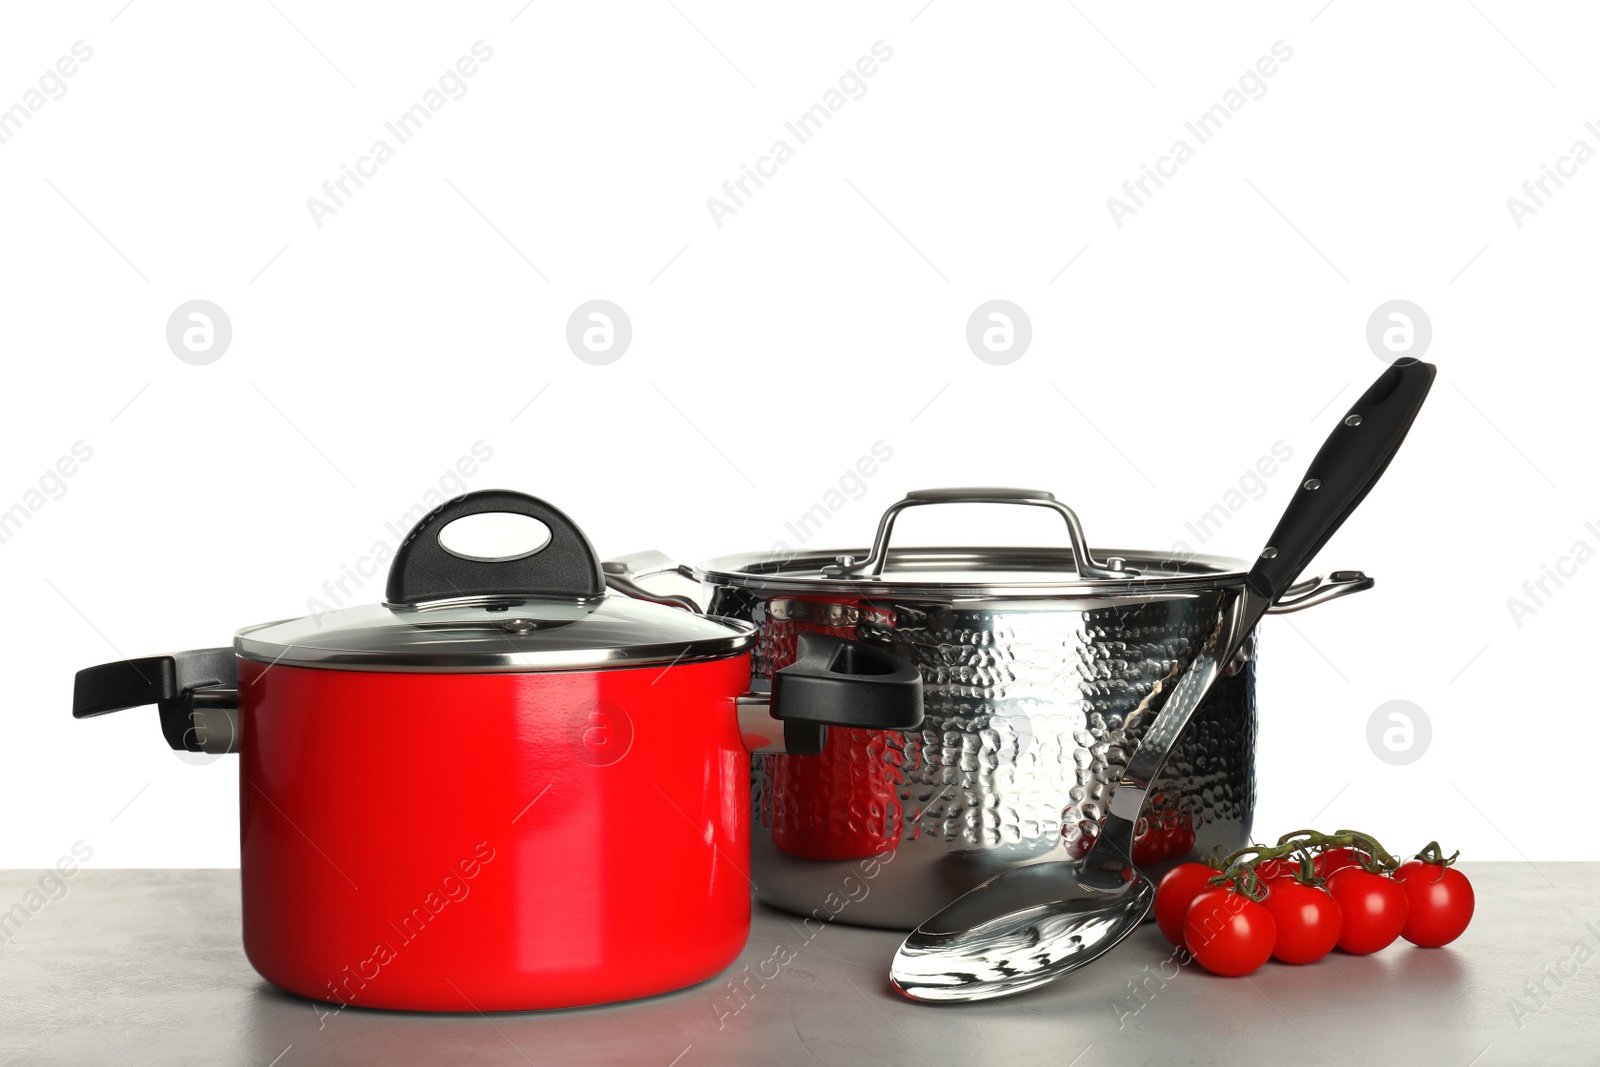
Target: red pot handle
pixel 423 569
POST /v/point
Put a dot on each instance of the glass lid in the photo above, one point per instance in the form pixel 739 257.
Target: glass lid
pixel 496 635
pixel 540 608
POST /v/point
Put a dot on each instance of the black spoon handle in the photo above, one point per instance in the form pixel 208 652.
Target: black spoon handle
pixel 1346 467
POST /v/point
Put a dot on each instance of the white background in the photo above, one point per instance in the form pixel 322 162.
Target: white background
pixel 826 314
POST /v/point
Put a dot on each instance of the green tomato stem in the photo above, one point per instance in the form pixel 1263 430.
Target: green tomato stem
pixel 1239 867
pixel 1432 853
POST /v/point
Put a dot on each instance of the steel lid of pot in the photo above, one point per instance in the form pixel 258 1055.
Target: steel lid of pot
pixel 979 571
pixel 542 610
pixel 975 571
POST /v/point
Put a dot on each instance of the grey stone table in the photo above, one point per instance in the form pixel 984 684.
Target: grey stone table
pixel 145 967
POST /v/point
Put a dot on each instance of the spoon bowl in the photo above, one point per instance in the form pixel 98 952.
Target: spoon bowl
pixel 1020 930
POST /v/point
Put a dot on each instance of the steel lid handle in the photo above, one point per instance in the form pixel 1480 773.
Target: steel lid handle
pixel 872 566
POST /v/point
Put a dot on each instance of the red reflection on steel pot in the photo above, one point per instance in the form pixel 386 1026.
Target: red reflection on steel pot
pixel 501 789
pixel 801 826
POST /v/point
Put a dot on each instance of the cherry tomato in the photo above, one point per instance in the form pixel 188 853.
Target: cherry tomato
pixel 1439 902
pixel 1374 908
pixel 1336 859
pixel 1149 845
pixel 1176 892
pixel 1308 919
pixel 1229 934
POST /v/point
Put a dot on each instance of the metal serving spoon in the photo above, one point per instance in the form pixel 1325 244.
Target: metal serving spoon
pixel 1030 925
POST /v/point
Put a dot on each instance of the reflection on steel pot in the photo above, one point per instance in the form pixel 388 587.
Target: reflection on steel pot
pixel 1042 667
pixel 501 788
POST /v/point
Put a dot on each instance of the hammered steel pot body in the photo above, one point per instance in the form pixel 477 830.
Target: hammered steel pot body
pixel 1033 706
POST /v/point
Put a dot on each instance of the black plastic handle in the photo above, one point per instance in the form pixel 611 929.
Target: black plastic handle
pixel 169 682
pixel 838 682
pixel 1347 466
pixel 423 569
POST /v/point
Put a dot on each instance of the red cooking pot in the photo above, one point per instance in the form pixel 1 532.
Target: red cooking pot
pixel 500 789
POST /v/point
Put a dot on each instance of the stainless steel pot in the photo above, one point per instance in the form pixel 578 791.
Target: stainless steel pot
pixel 1041 668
